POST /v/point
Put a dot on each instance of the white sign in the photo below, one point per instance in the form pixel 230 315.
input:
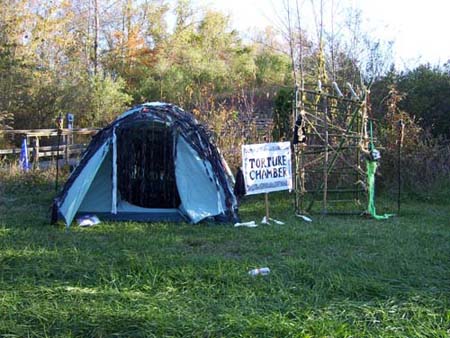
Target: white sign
pixel 267 167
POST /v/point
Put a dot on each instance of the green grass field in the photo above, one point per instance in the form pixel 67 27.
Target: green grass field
pixel 336 277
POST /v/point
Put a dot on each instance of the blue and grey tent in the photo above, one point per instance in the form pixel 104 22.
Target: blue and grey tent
pixel 155 162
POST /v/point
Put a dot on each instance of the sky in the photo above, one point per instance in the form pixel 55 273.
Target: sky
pixel 419 29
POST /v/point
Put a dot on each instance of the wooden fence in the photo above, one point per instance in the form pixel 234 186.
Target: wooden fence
pixel 69 150
pixel 67 147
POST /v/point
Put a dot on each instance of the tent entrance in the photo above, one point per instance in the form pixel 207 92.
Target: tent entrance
pixel 145 165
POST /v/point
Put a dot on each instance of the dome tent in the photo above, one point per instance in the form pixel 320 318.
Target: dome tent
pixel 155 162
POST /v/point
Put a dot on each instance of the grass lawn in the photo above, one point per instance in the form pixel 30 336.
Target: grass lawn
pixel 339 276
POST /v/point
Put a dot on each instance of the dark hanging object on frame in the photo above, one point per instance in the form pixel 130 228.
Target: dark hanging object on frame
pixel 299 130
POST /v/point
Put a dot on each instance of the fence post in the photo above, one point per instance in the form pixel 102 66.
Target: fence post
pixel 36 152
pixel 66 149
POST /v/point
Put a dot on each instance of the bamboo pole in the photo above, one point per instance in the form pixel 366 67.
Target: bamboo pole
pixel 399 177
pixel 325 161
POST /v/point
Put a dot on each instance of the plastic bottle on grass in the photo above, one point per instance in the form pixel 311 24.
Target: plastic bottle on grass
pixel 260 271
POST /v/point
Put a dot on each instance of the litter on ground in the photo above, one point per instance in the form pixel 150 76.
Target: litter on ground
pixel 88 220
pixel 250 224
pixel 305 218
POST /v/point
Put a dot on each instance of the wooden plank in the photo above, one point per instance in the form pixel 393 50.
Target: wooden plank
pixel 61 154
pixel 10 151
pixel 61 147
pixel 73 148
pixel 51 132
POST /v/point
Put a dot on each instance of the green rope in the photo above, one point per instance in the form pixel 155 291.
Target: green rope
pixel 371 170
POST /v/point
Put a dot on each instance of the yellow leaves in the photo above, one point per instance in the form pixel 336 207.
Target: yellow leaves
pixel 118 35
pixel 135 42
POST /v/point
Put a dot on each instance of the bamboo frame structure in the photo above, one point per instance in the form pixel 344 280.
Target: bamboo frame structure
pixel 329 155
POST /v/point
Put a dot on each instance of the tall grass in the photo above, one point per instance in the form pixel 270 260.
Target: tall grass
pixel 334 277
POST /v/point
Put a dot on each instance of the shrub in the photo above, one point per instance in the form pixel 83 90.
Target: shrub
pixel 425 160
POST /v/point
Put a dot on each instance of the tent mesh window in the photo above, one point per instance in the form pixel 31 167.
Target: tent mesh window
pixel 145 165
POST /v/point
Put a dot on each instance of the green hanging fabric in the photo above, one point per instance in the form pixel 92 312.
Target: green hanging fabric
pixel 371 170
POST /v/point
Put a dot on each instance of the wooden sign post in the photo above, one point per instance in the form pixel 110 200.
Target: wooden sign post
pixel 267 167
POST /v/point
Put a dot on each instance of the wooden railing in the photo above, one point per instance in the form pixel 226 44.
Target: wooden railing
pixel 66 149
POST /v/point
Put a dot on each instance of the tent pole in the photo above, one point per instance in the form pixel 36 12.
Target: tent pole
pixel 114 174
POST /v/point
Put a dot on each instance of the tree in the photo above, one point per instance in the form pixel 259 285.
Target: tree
pixel 107 100
pixel 201 60
pixel 426 91
pixel 380 93
pixel 282 119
